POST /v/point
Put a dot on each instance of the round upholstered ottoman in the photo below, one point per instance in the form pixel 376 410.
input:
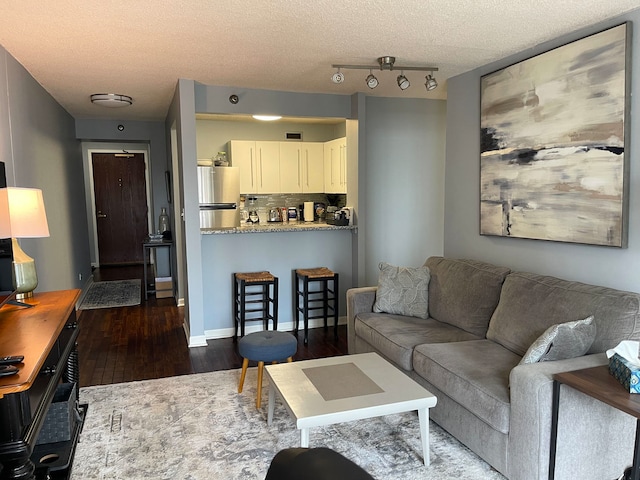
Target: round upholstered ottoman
pixel 267 346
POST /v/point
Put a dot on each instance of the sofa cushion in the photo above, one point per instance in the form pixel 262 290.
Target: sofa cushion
pixel 403 291
pixel 531 303
pixel 395 336
pixel 562 341
pixel 464 293
pixel 474 374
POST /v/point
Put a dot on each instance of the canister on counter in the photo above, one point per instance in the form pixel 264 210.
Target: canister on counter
pixel 293 214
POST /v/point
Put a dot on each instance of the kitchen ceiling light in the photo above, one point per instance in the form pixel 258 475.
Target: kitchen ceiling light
pixel 372 81
pixel 111 99
pixel 430 83
pixel 267 118
pixel 403 82
pixel 386 63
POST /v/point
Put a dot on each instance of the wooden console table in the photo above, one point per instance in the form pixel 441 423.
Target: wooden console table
pixel 46 335
pixel 598 383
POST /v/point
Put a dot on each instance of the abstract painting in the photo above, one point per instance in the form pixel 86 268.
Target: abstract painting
pixel 553 163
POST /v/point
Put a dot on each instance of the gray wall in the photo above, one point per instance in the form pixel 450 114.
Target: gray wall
pixel 39 148
pixel 599 265
pixel 182 118
pixel 404 200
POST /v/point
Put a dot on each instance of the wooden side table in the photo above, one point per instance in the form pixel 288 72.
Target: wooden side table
pixel 598 383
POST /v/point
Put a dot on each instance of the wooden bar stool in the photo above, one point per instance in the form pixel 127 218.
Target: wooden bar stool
pixel 253 293
pixel 307 301
pixel 268 346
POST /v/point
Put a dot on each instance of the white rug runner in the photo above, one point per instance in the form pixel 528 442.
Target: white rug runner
pixel 196 427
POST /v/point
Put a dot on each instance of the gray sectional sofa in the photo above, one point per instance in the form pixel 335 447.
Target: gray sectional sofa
pixel 481 320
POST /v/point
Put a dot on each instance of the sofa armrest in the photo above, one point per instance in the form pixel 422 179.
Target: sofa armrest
pixel 358 300
pixel 531 389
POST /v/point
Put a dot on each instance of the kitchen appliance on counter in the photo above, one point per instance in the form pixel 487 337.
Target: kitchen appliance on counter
pixel 253 211
pixel 275 215
pixel 219 196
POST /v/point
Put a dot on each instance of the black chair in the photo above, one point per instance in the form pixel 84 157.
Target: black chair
pixel 314 464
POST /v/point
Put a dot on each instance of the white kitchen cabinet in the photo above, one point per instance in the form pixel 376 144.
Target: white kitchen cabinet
pixel 259 164
pixel 335 166
pixel 301 167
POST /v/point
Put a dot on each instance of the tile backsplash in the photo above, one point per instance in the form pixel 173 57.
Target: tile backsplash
pixel 265 202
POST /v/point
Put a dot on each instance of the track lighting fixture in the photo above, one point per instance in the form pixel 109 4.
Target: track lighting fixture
pixel 430 83
pixel 403 82
pixel 372 81
pixel 337 77
pixel 388 63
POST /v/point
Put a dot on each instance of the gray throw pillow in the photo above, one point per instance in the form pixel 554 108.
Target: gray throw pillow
pixel 562 341
pixel 403 291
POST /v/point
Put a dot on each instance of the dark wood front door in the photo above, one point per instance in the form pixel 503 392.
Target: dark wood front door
pixel 121 206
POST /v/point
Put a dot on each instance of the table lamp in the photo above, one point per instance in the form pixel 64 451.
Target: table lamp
pixel 22 215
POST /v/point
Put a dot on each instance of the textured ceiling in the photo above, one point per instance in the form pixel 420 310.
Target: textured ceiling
pixel 141 48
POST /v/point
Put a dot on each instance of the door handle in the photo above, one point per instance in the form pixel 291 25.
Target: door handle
pixel 101 215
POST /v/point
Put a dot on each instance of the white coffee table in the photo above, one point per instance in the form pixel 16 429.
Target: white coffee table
pixel 345 388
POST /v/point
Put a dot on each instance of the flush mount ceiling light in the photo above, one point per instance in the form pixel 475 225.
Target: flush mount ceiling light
pixel 111 99
pixel 387 63
pixel 267 118
pixel 403 82
pixel 430 83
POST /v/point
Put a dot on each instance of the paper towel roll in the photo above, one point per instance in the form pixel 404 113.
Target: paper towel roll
pixel 308 211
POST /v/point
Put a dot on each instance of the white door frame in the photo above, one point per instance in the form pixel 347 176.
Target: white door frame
pixel 91 200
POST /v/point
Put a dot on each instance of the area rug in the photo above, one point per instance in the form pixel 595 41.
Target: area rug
pixel 198 427
pixel 117 293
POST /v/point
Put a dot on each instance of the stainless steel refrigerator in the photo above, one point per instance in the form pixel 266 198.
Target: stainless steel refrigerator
pixel 219 196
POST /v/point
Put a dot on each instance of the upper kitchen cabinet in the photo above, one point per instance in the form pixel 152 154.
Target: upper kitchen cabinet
pixel 259 164
pixel 335 166
pixel 301 167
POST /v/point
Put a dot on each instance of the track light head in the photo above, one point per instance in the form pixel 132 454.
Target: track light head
pixel 371 80
pixel 430 83
pixel 337 77
pixel 403 82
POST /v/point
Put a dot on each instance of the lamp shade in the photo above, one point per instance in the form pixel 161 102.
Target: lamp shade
pixel 22 213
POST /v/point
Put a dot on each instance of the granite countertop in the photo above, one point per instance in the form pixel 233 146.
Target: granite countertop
pixel 276 227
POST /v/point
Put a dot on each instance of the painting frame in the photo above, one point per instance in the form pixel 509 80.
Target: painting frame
pixel 554 142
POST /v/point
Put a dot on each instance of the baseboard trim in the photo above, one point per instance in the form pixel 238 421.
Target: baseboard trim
pixel 83 293
pixel 256 327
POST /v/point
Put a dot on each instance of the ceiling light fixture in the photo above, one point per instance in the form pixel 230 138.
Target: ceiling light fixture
pixel 372 81
pixel 430 83
pixel 387 63
pixel 337 77
pixel 267 118
pixel 111 99
pixel 403 82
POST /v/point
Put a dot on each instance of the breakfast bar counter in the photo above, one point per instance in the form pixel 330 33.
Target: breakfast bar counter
pixel 279 248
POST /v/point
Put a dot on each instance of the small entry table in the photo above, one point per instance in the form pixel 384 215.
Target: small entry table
pixel 147 246
pixel 598 383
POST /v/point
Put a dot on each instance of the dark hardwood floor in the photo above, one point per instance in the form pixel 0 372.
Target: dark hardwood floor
pixel 148 341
